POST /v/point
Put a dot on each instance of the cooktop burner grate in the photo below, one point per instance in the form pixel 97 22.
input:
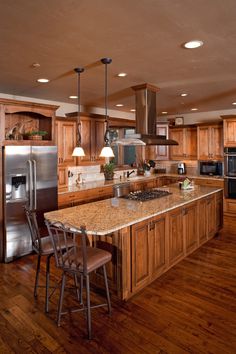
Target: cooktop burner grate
pixel 146 195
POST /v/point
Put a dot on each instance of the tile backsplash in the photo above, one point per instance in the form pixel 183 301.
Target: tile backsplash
pixel 91 174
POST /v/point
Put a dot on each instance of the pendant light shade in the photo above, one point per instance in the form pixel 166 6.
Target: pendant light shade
pixel 106 150
pixel 78 150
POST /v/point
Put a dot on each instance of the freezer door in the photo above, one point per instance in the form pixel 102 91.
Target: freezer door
pixel 44 159
pixel 17 239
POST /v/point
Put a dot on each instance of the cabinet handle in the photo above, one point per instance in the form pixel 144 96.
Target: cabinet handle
pixel 151 226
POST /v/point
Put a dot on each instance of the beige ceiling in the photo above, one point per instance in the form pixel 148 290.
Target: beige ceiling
pixel 144 39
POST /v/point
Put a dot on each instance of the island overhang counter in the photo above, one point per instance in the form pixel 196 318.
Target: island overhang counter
pixel 147 238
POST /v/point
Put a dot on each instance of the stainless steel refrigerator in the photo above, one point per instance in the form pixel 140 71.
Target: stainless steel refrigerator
pixel 29 178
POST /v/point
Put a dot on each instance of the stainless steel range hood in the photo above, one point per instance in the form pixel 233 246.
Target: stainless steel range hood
pixel 145 120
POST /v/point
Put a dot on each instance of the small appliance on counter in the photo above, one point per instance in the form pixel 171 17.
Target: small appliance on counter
pixel 181 168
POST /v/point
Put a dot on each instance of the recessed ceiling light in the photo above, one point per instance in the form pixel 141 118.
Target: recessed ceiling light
pixel 234 103
pixel 194 109
pixel 122 74
pixel 43 80
pixel 193 44
pixel 164 112
pixel 133 110
pixel 184 94
pixel 119 105
pixel 35 65
pixel 73 97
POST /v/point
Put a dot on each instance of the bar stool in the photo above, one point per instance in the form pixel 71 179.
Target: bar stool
pixel 80 260
pixel 43 247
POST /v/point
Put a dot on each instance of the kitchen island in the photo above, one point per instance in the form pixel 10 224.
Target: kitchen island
pixel 147 238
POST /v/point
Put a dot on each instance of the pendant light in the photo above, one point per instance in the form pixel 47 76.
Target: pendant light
pixel 78 150
pixel 106 150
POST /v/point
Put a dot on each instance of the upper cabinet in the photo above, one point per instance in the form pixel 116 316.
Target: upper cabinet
pixel 229 124
pixel 19 118
pixel 159 152
pixel 187 139
pixel 65 139
pixel 210 142
pixel 92 138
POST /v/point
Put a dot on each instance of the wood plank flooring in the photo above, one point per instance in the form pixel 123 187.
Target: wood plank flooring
pixel 190 309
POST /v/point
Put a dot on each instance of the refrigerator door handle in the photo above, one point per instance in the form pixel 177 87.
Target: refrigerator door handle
pixel 30 184
pixel 35 184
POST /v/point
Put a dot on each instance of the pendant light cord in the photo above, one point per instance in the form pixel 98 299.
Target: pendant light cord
pixel 106 61
pixel 78 71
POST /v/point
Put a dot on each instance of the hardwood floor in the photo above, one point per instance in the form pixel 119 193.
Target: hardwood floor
pixel 190 309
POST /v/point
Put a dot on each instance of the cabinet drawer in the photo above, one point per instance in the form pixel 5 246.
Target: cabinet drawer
pixel 230 206
pixel 209 182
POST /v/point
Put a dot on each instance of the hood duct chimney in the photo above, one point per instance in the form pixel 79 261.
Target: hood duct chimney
pixel 145 96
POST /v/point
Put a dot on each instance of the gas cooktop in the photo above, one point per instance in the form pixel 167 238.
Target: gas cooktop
pixel 146 195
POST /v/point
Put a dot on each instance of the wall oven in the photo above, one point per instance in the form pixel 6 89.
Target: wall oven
pixel 230 172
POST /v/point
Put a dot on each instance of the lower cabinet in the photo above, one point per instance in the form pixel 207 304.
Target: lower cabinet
pixel 66 200
pixel 140 258
pixel 144 251
pixel 62 176
pixel 190 221
pixel 203 223
pixel 176 239
pixel 211 216
pixel 148 251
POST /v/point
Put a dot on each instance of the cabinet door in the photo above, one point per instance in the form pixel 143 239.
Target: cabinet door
pixel 190 143
pixel 140 255
pixel 191 227
pixel 62 176
pixel 203 143
pixel 230 132
pixel 158 249
pixel 176 238
pixel 219 211
pixel 65 139
pixel 216 142
pixel 211 216
pixel 203 221
pixel 177 152
pixel 68 142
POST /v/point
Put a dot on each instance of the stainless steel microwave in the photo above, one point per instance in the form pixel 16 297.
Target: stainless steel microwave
pixel 211 168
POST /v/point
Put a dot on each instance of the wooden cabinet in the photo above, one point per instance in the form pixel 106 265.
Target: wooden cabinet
pixel 20 117
pixel 148 251
pixel 187 139
pixel 159 152
pixel 92 138
pixel 158 245
pixel 203 223
pixel 143 185
pixel 229 125
pixel 176 238
pixel 210 142
pixel 140 258
pixel 66 200
pixel 230 214
pixel 190 215
pixel 211 216
pixel 219 210
pixel 65 139
pixel 62 173
pixel 209 182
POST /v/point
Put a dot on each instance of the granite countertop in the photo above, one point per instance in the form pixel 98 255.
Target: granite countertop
pixel 113 214
pixel 102 183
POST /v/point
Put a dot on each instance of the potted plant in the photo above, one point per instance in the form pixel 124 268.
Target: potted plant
pixel 108 170
pixel 36 134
